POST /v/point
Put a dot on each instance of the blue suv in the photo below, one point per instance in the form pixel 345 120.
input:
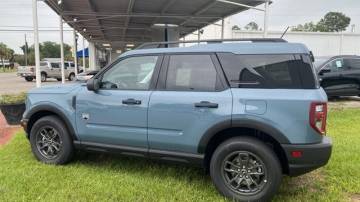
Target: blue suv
pixel 247 112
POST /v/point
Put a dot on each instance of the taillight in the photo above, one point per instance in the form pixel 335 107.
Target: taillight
pixel 318 115
pixel 32 69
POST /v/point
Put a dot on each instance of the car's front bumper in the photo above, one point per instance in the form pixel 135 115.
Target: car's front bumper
pixel 312 156
pixel 26 74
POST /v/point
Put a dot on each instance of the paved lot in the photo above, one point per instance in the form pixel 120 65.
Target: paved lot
pixel 10 83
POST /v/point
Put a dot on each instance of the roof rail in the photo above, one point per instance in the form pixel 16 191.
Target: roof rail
pixel 209 41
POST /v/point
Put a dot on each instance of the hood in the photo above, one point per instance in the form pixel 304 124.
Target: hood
pixel 56 89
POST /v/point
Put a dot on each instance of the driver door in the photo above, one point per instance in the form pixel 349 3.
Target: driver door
pixel 116 114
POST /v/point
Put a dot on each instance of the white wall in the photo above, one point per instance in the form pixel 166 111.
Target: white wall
pixel 322 44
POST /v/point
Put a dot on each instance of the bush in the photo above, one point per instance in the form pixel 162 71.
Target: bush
pixel 12 98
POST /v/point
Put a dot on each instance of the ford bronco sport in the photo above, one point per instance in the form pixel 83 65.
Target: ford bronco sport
pixel 247 112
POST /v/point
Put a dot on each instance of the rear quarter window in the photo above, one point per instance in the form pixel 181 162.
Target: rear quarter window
pixel 286 71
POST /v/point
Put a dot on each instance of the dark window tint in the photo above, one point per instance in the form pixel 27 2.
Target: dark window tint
pixel 55 65
pixel 268 71
pixel 352 63
pixel 192 73
pixel 335 65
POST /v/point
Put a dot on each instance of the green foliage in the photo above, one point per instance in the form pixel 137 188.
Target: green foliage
pixel 252 26
pixel 307 27
pixel 48 49
pixel 331 22
pixel 6 53
pixel 96 177
pixel 12 98
pixel 235 27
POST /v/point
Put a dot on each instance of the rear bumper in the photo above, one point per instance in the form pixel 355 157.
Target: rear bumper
pixel 312 157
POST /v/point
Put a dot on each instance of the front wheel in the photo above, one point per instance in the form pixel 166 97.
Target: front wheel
pixel 50 141
pixel 72 77
pixel 43 77
pixel 245 169
pixel 29 78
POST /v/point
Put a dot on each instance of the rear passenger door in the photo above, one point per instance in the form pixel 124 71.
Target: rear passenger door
pixel 54 69
pixel 191 96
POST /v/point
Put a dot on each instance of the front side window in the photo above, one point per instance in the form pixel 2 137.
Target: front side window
pixel 191 73
pixel 335 65
pixel 133 73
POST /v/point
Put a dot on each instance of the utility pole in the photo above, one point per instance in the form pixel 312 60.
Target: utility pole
pixel 36 44
pixel 83 54
pixel 62 51
pixel 266 18
pixel 25 52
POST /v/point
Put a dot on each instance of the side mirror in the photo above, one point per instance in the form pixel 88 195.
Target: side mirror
pixel 323 71
pixel 93 84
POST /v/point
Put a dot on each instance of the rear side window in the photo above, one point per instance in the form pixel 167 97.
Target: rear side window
pixel 192 73
pixel 268 71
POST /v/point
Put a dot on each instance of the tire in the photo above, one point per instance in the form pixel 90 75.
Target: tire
pixel 250 149
pixel 58 79
pixel 71 77
pixel 28 78
pixel 43 77
pixel 64 143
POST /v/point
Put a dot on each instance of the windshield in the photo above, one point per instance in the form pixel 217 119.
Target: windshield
pixel 320 61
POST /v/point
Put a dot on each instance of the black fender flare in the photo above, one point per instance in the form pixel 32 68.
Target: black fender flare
pixel 54 110
pixel 244 123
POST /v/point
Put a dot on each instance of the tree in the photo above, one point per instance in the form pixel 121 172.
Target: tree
pixel 331 22
pixel 48 49
pixel 307 27
pixel 252 26
pixel 235 27
pixel 6 53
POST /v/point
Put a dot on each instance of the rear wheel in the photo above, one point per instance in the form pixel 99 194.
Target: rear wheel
pixel 29 78
pixel 50 141
pixel 59 79
pixel 43 77
pixel 245 169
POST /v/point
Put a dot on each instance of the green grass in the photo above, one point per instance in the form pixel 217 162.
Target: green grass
pixel 94 177
pixel 7 70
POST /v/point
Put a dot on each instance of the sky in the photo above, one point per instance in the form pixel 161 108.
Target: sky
pixel 17 14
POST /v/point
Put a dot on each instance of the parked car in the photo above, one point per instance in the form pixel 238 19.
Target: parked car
pixel 49 69
pixel 248 113
pixel 339 75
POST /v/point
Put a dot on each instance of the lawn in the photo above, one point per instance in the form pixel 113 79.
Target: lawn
pixel 7 70
pixel 94 177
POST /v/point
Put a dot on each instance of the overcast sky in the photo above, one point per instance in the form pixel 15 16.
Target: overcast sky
pixel 283 13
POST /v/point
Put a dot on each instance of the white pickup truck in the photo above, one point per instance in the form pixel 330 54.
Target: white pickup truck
pixel 48 69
